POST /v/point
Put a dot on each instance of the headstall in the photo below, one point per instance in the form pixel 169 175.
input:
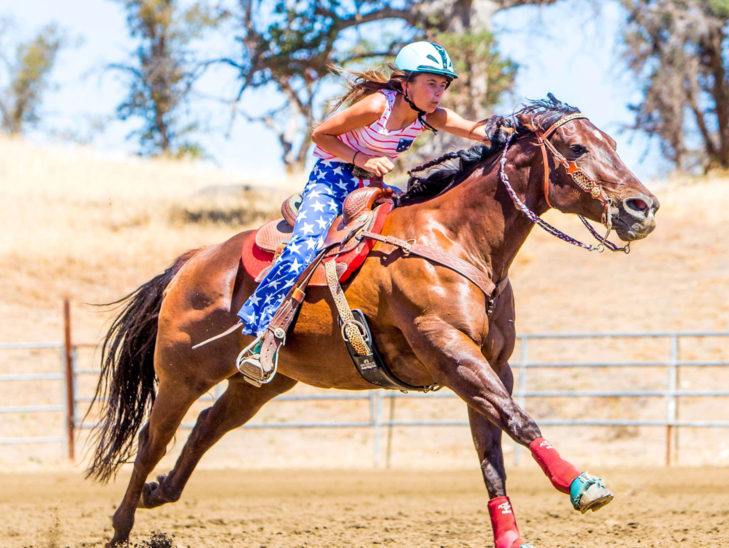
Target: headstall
pixel 579 177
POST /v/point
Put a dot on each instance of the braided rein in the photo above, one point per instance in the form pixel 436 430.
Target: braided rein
pixel 582 180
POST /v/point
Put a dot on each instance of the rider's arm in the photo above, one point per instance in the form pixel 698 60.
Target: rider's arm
pixel 363 113
pixel 449 121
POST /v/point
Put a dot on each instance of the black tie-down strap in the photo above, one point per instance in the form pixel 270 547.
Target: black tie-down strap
pixel 359 342
pixel 371 365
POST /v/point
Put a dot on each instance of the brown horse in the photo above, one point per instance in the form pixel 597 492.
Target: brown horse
pixel 429 323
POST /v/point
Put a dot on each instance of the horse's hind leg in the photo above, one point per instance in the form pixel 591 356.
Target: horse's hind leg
pixel 235 407
pixel 173 400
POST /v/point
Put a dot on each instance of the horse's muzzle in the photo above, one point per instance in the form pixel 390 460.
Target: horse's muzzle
pixel 634 217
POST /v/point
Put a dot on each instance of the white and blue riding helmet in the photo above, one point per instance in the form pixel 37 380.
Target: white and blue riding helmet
pixel 425 57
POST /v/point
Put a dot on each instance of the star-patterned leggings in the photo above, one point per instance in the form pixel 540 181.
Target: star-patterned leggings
pixel 328 185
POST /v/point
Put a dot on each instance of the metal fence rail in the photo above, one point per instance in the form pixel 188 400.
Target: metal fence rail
pixel 34 377
pixel 71 372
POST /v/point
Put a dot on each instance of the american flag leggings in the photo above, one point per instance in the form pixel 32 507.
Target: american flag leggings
pixel 328 185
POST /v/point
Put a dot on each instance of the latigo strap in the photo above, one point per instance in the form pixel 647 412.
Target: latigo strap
pixel 351 330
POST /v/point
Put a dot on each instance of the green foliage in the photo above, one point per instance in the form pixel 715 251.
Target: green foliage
pixel 163 73
pixel 720 8
pixel 192 151
pixel 476 56
pixel 28 78
pixel 301 39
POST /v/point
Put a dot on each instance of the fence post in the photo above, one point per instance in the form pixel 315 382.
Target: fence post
pixel 390 420
pixel 376 421
pixel 671 413
pixel 69 378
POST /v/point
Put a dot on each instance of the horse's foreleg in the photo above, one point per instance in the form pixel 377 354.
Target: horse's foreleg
pixel 456 361
pixel 172 402
pixel 235 407
pixel 487 439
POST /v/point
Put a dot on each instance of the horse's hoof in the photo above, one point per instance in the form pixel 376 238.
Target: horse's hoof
pixel 589 493
pixel 147 500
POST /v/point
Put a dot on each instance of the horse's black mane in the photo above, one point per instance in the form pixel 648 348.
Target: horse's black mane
pixel 456 166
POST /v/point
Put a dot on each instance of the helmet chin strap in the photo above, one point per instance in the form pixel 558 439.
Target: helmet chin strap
pixel 421 113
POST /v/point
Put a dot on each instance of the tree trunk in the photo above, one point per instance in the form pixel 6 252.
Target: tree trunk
pixel 692 92
pixel 468 17
pixel 720 92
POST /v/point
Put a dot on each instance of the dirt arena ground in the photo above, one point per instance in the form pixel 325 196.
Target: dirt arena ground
pixel 653 508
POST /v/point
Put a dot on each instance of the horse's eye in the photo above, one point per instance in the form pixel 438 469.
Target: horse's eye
pixel 578 150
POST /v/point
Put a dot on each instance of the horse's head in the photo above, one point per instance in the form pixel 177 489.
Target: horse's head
pixel 585 174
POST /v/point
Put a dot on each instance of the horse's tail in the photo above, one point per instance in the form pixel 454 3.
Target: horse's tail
pixel 126 385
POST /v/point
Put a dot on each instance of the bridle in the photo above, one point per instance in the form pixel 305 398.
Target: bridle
pixel 579 177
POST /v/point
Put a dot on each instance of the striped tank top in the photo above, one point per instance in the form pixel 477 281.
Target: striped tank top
pixel 376 139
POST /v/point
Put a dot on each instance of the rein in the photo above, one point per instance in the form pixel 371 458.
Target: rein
pixel 579 177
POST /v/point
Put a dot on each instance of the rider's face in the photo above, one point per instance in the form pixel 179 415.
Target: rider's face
pixel 426 90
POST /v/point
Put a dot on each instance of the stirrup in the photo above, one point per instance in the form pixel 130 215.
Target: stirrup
pixel 249 365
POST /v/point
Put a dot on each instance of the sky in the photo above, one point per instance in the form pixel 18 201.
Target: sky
pixel 568 49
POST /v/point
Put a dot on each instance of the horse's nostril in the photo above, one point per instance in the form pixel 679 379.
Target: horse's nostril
pixel 637 204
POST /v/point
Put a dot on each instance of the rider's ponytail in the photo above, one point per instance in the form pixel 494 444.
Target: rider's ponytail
pixel 367 82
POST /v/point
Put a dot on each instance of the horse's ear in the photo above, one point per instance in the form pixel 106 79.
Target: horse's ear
pixel 526 121
pixel 556 102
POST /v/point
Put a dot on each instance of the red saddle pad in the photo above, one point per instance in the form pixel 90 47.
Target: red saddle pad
pixel 256 259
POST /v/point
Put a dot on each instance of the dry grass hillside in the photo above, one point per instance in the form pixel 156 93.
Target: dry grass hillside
pixel 90 228
pixel 676 279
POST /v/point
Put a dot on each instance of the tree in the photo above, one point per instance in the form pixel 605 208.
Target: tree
pixel 163 73
pixel 28 77
pixel 290 50
pixel 678 51
pixel 464 27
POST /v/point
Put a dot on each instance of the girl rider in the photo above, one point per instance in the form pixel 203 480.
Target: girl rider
pixel 385 117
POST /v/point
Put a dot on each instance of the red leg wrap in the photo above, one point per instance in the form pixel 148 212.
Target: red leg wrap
pixel 560 472
pixel 503 522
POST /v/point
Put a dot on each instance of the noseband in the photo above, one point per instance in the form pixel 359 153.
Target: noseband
pixel 579 177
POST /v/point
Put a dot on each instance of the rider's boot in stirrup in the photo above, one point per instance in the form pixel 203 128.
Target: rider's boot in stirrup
pixel 249 364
